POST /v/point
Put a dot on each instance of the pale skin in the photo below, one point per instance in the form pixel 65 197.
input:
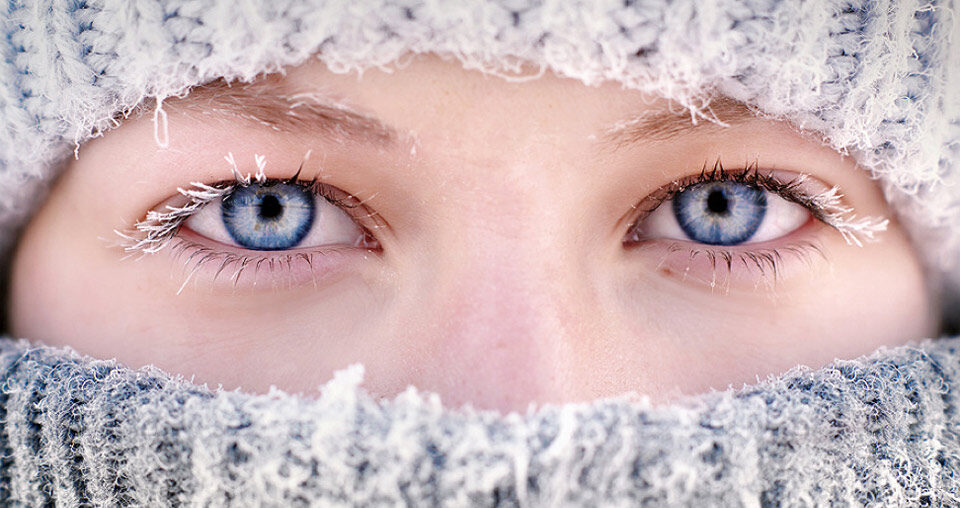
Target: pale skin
pixel 497 272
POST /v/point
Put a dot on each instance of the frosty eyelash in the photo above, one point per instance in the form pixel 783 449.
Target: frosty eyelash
pixel 159 229
pixel 154 232
pixel 826 206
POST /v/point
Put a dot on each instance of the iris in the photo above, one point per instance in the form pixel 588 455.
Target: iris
pixel 269 217
pixel 720 213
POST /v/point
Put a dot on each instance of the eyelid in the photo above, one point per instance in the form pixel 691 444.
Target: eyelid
pixel 827 204
pixel 241 267
pixel 162 223
pixel 733 268
pixel 162 228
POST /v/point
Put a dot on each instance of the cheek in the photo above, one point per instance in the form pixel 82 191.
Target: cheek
pixel 845 306
pixel 876 296
pixel 63 290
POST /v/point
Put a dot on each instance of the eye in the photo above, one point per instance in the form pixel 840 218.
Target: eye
pixel 275 216
pixel 723 213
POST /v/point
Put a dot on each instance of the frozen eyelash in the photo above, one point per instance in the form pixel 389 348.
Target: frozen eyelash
pixel 855 230
pixel 153 232
pixel 159 228
pixel 827 206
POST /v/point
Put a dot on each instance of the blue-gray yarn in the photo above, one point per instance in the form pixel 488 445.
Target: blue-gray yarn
pixel 882 431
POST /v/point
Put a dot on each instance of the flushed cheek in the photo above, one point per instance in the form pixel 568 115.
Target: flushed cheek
pixel 294 338
pixel 879 297
pixel 696 341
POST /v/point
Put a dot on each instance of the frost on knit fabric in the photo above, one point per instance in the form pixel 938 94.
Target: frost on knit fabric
pixel 880 79
pixel 880 431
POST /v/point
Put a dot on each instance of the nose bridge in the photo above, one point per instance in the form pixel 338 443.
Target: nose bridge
pixel 505 262
pixel 505 288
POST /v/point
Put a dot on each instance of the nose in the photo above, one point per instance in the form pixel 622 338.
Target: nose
pixel 502 316
pixel 499 336
pixel 502 339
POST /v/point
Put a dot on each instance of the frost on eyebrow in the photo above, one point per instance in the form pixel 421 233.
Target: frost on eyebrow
pixel 152 233
pixel 270 103
pixel 660 124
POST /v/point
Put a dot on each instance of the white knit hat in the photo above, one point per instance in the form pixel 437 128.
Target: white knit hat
pixel 880 79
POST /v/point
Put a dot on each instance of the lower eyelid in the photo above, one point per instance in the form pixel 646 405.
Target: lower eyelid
pixel 727 270
pixel 196 263
pixel 747 266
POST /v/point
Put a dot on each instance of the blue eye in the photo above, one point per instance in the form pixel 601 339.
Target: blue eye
pixel 274 217
pixel 720 213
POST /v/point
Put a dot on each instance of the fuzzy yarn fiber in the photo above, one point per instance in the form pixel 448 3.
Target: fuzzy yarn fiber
pixel 879 431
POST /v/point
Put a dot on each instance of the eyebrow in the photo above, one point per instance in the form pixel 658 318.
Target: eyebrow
pixel 667 123
pixel 269 103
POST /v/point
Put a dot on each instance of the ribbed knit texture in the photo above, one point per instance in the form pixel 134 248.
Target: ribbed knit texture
pixel 881 431
pixel 878 78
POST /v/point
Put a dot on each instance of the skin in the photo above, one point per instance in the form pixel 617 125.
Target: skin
pixel 500 277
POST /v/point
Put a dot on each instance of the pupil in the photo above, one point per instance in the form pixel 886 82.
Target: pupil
pixel 270 207
pixel 717 203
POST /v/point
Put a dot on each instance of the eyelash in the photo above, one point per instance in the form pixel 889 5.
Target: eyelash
pixel 198 254
pixel 826 206
pixel 159 228
pixel 766 260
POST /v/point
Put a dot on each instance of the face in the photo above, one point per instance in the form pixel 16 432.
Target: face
pixel 497 243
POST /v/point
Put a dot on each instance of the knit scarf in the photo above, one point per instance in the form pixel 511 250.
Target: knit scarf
pixel 881 430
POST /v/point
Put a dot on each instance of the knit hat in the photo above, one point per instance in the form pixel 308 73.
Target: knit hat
pixel 878 79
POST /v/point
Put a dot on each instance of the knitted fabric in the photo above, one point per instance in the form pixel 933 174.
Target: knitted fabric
pixel 882 431
pixel 878 78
